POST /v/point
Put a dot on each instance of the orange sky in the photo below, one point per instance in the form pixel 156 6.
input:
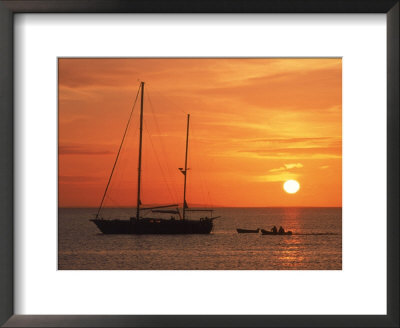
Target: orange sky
pixel 254 124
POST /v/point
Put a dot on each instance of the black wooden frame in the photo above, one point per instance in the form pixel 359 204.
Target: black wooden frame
pixel 7 10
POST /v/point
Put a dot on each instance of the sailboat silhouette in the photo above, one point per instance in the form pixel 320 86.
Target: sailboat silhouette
pixel 147 225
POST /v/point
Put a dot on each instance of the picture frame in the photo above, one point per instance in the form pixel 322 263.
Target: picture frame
pixel 9 8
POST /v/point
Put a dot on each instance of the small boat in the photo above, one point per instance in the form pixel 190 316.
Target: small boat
pixel 266 232
pixel 248 231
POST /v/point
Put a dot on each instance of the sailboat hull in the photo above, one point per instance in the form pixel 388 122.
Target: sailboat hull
pixel 154 226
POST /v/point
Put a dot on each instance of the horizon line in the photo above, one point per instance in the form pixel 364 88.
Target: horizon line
pixel 211 207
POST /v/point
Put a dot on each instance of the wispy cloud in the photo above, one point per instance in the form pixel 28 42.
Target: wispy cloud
pixel 282 176
pixel 293 148
pixel 83 150
pixel 295 153
pixel 286 90
pixel 282 173
pixel 78 179
pixel 295 140
pixel 286 167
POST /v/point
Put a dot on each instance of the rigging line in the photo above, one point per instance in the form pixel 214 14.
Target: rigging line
pixel 210 165
pixel 158 131
pixel 119 179
pixel 119 151
pixel 204 185
pixel 159 163
pixel 163 147
pixel 124 162
pixel 171 102
pixel 113 201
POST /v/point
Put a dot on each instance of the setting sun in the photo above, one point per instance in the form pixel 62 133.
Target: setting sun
pixel 291 186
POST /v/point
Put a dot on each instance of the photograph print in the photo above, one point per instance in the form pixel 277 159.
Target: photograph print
pixel 199 163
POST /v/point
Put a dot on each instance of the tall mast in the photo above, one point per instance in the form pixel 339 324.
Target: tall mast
pixel 185 169
pixel 140 152
pixel 116 159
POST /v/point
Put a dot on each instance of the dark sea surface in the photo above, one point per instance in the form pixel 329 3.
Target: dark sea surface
pixel 316 243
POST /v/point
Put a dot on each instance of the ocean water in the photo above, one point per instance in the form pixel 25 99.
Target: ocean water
pixel 316 243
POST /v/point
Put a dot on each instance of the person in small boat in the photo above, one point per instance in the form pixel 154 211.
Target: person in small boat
pixel 274 230
pixel 281 230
